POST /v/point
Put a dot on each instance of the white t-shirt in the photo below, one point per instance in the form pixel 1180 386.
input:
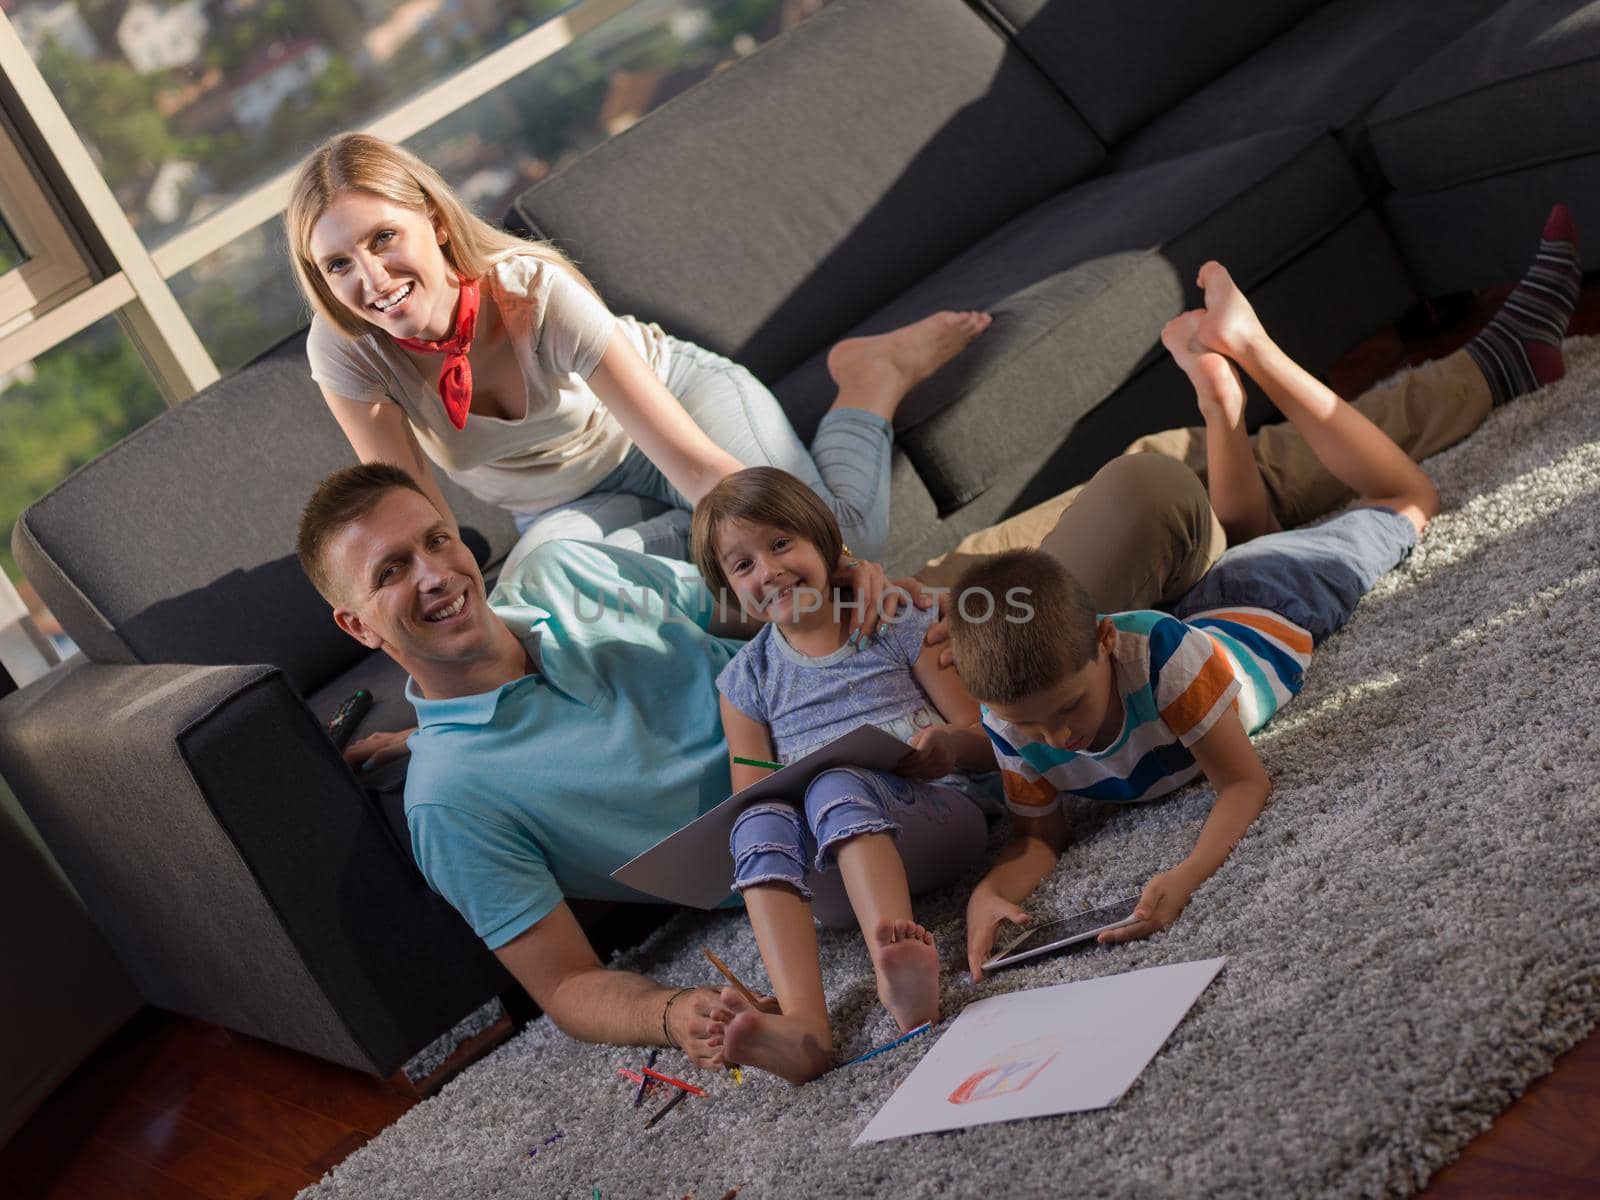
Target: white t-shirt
pixel 564 445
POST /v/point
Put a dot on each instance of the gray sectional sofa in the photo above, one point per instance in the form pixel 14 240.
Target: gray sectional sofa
pixel 1065 165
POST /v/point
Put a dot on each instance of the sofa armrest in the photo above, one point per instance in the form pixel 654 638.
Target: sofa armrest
pixel 229 856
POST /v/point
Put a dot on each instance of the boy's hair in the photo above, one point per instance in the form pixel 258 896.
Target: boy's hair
pixel 340 500
pixel 1003 661
pixel 763 496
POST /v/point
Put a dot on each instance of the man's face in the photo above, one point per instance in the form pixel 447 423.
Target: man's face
pixel 408 586
pixel 1080 712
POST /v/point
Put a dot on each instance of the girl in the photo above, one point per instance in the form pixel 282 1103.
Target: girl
pixel 800 683
pixel 437 337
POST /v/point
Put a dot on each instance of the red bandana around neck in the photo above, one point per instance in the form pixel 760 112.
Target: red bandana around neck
pixel 455 376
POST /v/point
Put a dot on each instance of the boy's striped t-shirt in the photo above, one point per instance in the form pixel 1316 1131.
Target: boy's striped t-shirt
pixel 1176 679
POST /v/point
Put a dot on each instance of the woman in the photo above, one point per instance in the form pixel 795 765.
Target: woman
pixel 437 337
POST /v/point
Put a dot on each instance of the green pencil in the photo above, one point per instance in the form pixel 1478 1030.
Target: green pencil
pixel 757 762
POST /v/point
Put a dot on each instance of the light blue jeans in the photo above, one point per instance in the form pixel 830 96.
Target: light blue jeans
pixel 939 830
pixel 636 508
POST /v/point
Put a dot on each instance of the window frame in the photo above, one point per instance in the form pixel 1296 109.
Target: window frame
pixel 54 269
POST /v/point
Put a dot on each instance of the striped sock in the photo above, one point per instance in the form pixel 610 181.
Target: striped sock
pixel 1520 349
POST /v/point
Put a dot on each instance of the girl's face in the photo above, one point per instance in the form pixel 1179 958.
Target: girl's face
pixel 778 576
pixel 382 261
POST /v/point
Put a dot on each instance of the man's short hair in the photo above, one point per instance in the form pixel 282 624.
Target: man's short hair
pixel 340 500
pixel 1001 660
pixel 761 496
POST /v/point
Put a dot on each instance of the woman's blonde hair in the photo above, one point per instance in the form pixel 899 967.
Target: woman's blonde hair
pixel 359 162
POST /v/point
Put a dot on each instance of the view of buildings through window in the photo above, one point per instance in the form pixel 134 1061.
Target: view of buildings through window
pixel 186 105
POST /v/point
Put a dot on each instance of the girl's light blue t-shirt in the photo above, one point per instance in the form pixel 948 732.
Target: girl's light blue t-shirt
pixel 808 702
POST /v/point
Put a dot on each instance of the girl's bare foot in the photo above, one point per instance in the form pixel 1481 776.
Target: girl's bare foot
pixel 1217 389
pixel 786 1046
pixel 875 373
pixel 1229 324
pixel 908 972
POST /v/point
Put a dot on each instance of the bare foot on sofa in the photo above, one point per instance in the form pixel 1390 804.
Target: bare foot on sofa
pixel 875 373
pixel 786 1046
pixel 1217 390
pixel 1228 324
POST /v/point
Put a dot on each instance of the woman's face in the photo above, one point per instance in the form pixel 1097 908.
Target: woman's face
pixel 382 261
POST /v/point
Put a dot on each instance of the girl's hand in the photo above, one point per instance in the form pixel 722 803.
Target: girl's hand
pixel 873 597
pixel 376 749
pixel 933 754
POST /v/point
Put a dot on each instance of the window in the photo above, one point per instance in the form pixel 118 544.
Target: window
pixel 39 264
pixel 56 413
pixel 172 127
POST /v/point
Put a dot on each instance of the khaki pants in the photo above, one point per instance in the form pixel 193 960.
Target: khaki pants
pixel 1141 532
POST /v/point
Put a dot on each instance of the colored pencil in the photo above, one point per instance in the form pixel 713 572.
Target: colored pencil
pixel 677 1099
pixel 758 762
pixel 634 1077
pixel 644 1080
pixel 677 1083
pixel 730 976
pixel 904 1037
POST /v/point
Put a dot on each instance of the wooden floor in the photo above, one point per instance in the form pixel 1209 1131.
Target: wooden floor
pixel 174 1109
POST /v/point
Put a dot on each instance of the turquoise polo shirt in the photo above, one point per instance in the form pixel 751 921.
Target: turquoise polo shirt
pixel 537 791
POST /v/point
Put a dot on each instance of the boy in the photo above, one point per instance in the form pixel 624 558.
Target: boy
pixel 1131 706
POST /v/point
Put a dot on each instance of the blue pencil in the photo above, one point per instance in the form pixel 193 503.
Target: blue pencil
pixel 904 1037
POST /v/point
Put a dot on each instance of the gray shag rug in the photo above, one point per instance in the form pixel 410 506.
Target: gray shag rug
pixel 1412 927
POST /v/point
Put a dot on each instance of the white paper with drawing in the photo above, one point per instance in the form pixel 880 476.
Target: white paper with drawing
pixel 1068 1048
pixel 692 867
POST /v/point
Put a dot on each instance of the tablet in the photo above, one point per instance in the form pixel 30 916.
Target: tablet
pixel 1065 931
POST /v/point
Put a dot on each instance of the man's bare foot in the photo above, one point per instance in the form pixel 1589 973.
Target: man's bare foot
pixel 908 972
pixel 786 1046
pixel 876 372
pixel 1229 324
pixel 1217 389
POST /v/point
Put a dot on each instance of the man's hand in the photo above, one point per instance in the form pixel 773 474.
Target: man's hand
pixel 697 1022
pixel 934 753
pixel 1159 905
pixel 985 910
pixel 376 749
pixel 939 632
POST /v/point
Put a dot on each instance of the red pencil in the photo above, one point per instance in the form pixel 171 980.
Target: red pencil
pixel 677 1083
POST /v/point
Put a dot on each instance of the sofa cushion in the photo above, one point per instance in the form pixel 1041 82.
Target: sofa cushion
pixel 776 205
pixel 1485 232
pixel 1327 72
pixel 177 544
pixel 1515 91
pixel 1080 287
pixel 1123 63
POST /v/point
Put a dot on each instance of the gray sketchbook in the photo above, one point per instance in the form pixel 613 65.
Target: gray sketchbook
pixel 693 867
